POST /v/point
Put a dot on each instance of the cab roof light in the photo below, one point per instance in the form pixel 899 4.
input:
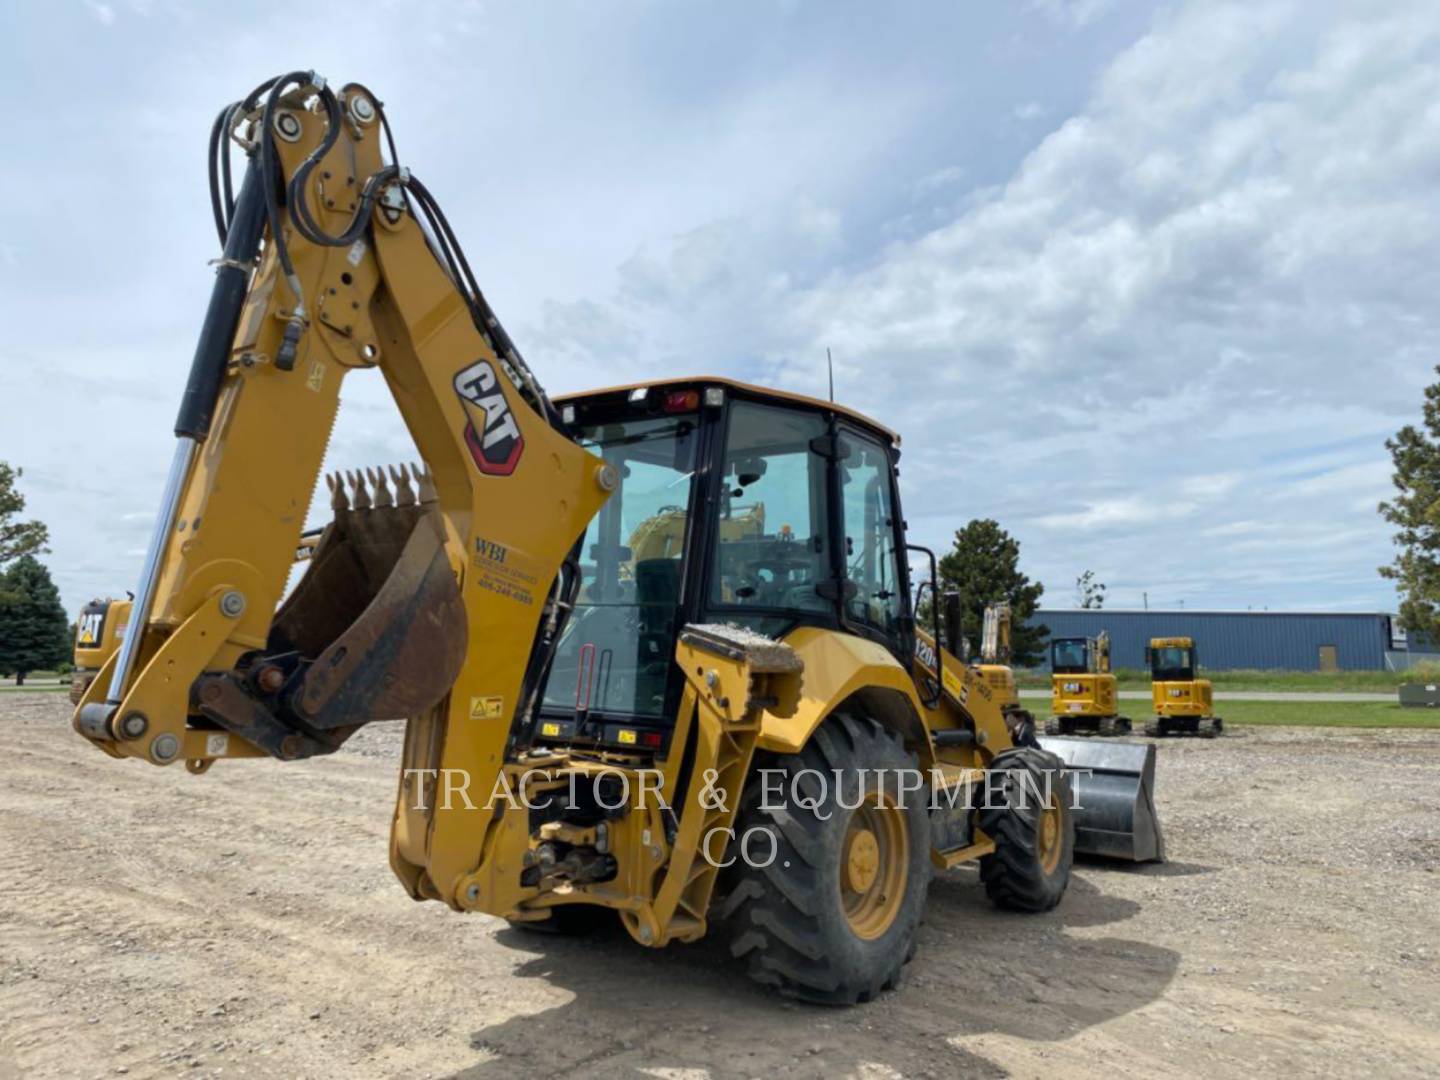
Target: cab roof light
pixel 567 414
pixel 678 401
pixel 639 394
pixel 714 397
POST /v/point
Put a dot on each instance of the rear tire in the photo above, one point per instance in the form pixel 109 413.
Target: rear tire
pixel 832 918
pixel 1027 813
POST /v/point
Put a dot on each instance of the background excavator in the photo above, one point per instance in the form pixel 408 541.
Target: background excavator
pixel 1184 703
pixel 1084 694
pixel 718 733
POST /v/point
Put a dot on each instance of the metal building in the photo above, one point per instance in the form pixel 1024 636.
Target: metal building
pixel 1280 640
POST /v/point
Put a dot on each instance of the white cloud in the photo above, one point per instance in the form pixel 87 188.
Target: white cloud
pixel 1177 317
pixel 1224 258
pixel 1105 513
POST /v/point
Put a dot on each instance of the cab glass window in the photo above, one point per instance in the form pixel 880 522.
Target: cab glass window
pixel 616 652
pixel 871 560
pixel 770 549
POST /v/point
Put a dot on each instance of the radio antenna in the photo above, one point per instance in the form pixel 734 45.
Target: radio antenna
pixel 830 367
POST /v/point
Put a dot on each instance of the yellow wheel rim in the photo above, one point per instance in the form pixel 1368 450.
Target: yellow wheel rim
pixel 1049 839
pixel 873 862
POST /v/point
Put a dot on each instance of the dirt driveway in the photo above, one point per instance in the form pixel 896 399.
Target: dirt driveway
pixel 246 924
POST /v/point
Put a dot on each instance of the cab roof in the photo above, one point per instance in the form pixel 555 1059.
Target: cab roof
pixel 744 387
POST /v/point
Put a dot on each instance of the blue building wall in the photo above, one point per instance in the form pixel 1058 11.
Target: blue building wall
pixel 1288 641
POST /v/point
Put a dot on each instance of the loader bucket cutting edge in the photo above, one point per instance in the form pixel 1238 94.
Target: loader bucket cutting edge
pixel 1114 786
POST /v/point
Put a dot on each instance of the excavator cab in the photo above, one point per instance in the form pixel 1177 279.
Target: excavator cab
pixel 1083 695
pixel 1184 704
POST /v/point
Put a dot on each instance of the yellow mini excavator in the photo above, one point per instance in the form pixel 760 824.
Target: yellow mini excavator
pixel 744 732
pixel 1184 703
pixel 1083 694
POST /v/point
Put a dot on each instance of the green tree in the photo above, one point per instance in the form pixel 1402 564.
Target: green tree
pixel 34 631
pixel 1089 593
pixel 1415 513
pixel 17 538
pixel 983 567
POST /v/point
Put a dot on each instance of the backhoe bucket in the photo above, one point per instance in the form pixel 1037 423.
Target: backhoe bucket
pixel 1114 797
pixel 375 630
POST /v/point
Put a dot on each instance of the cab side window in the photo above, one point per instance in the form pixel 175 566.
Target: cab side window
pixel 870 555
pixel 770 551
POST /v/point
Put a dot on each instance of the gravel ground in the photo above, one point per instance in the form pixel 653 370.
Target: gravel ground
pixel 245 923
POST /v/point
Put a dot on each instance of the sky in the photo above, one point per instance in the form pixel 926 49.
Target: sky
pixel 1149 284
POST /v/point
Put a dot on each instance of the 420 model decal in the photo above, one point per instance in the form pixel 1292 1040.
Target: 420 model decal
pixel 491 432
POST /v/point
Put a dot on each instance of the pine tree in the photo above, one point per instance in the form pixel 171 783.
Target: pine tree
pixel 17 537
pixel 983 567
pixel 34 631
pixel 1415 512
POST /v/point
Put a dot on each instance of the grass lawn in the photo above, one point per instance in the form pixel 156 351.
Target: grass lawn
pixel 1352 714
pixel 1338 681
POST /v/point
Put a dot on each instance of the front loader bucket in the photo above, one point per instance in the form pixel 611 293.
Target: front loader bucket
pixel 1114 797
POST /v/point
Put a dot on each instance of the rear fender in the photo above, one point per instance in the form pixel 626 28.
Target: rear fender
pixel 839 668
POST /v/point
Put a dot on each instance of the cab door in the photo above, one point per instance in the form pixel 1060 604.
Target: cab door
pixel 873 593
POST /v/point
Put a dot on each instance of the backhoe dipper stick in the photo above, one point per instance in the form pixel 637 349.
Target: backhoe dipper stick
pixel 197 407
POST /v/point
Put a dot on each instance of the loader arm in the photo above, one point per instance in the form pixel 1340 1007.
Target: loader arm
pixel 436 599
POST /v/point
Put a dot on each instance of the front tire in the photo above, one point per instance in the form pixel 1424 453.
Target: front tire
pixel 832 917
pixel 1027 813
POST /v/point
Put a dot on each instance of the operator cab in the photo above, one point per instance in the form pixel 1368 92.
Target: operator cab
pixel 1072 656
pixel 1172 660
pixel 734 505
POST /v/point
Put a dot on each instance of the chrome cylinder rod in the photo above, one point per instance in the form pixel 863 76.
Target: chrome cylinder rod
pixel 145 592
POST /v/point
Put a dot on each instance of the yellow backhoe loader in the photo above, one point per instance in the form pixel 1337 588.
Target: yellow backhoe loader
pixel 743 731
pixel 1184 703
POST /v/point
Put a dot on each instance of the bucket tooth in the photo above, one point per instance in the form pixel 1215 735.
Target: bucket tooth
pixel 362 495
pixel 404 493
pixel 425 483
pixel 339 502
pixel 382 489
